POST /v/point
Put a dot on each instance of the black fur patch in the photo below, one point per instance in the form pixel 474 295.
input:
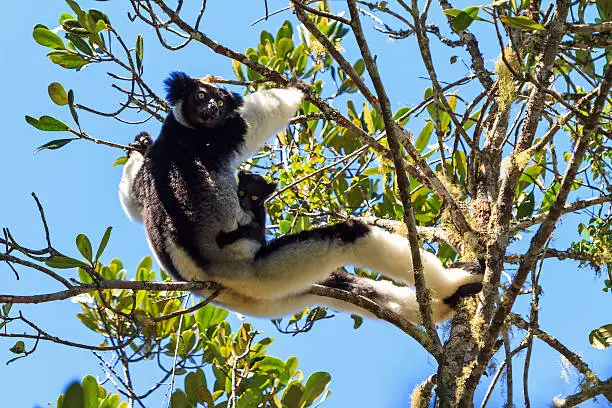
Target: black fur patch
pixel 345 232
pixel 469 289
pixel 473 268
pixel 177 85
pixel 177 165
pixel 350 283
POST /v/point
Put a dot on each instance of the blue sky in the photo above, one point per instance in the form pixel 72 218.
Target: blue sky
pixel 376 365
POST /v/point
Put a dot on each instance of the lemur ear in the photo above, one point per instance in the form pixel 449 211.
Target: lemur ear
pixel 242 174
pixel 232 99
pixel 176 86
pixel 269 189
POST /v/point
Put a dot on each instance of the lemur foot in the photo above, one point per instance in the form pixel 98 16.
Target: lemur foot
pixel 300 84
pixel 141 143
pixel 469 289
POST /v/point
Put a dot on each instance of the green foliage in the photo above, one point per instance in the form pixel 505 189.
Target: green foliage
pixel 521 23
pixel 601 338
pixel 596 243
pixel 202 339
pixel 463 18
pixel 47 123
pixel 89 394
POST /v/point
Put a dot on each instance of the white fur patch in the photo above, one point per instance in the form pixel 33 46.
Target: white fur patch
pixel 126 197
pixel 266 112
pixel 184 264
pixel 177 112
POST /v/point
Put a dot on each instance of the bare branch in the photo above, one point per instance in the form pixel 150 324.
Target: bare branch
pixel 403 183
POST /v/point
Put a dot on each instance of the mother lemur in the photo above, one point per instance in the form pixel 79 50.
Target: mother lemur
pixel 184 190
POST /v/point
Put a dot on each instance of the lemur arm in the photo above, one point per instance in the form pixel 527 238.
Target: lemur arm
pixel 251 230
pixel 266 112
pixel 130 204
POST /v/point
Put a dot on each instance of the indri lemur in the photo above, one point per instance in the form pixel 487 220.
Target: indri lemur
pixel 253 190
pixel 185 192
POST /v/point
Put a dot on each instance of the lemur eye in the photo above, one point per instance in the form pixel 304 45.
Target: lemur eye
pixel 241 193
pixel 200 96
pixel 220 103
pixel 254 197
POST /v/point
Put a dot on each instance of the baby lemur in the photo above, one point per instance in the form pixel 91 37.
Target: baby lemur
pixel 253 190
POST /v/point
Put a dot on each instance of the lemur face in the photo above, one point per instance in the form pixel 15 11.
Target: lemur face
pixel 198 103
pixel 253 189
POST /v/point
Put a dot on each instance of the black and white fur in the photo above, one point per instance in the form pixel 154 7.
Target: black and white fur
pixel 184 191
pixel 253 190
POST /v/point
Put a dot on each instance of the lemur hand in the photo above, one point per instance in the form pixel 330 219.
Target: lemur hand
pixel 141 143
pixel 299 83
pixel 244 217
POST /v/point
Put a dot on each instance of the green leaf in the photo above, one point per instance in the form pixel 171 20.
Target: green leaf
pixel 604 8
pixel 315 386
pixel 47 123
pixel 193 383
pixel 293 394
pixel 74 396
pixel 18 348
pixel 179 400
pixel 98 15
pixel 284 226
pixel 84 245
pixel 103 243
pixel 75 7
pixel 359 66
pixel 357 321
pixel 54 144
pixel 463 18
pixel 139 52
pixel 48 38
pixel 6 308
pixel 65 16
pixel 120 161
pixel 424 136
pixel 68 60
pixel 237 67
pixel 90 392
pixel 521 23
pixel 601 338
pixel 462 21
pixel 526 207
pixel 286 31
pixel 64 262
pixel 73 112
pixel 367 118
pixel 80 44
pixel 57 93
pixel 283 47
pixel 272 364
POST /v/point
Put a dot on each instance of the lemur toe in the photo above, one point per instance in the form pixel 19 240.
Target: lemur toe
pixel 469 289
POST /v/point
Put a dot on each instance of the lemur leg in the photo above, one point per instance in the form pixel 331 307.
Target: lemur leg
pixel 400 300
pixel 267 112
pixel 290 264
